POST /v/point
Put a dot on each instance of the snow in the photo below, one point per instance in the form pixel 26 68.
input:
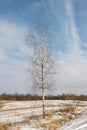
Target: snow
pixel 22 104
pixel 79 123
pixel 16 111
pixel 25 127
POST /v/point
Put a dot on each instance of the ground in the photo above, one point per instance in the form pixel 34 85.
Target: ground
pixel 59 115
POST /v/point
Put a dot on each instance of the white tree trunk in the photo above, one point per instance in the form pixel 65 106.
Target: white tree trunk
pixel 43 99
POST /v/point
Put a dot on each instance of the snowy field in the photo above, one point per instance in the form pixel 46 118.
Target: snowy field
pixel 27 115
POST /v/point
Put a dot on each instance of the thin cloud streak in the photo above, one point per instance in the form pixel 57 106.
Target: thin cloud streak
pixel 73 70
pixel 73 36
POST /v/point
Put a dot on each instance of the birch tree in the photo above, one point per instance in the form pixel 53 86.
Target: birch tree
pixel 42 62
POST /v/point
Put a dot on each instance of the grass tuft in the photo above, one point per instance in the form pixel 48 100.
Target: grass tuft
pixel 5 126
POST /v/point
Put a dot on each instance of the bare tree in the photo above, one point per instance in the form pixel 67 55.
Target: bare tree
pixel 42 62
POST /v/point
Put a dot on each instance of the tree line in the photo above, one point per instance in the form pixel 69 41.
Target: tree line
pixel 27 97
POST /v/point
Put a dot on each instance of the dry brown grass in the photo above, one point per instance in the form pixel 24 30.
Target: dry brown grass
pixel 43 125
pixel 1 104
pixel 5 126
pixel 56 123
pixel 27 120
pixel 35 117
pixel 51 121
pixel 52 127
pixel 68 109
pixel 17 125
pixel 65 118
pixel 49 115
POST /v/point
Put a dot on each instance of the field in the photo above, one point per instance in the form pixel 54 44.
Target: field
pixel 59 115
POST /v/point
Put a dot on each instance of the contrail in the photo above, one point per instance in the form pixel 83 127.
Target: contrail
pixel 72 33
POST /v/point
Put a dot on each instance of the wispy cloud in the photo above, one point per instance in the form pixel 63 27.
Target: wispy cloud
pixel 73 70
pixel 71 28
pixel 13 56
pixel 71 65
pixel 13 38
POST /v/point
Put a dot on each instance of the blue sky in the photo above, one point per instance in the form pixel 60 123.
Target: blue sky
pixel 67 23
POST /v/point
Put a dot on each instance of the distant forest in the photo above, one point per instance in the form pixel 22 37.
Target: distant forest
pixel 22 97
